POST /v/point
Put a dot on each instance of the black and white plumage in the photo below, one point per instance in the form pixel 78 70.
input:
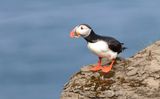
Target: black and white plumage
pixel 102 46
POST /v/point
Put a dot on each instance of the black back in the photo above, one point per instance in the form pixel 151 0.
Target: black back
pixel 113 44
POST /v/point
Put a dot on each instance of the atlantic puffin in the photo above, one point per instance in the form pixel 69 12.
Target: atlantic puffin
pixel 102 46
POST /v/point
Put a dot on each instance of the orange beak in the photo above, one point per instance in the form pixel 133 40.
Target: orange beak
pixel 74 34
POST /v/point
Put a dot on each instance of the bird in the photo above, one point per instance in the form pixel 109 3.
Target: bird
pixel 102 46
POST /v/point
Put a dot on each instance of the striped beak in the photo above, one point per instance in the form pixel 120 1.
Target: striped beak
pixel 74 34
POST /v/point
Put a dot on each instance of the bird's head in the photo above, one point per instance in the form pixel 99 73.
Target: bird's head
pixel 83 30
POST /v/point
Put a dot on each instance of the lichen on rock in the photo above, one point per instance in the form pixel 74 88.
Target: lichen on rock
pixel 137 77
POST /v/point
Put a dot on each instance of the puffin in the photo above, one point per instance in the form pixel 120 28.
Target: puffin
pixel 102 46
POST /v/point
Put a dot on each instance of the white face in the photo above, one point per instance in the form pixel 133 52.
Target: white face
pixel 83 30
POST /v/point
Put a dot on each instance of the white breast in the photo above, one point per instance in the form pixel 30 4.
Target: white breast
pixel 101 49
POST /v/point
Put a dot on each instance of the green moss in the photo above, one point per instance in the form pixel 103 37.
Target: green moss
pixel 108 75
pixel 136 83
pixel 121 80
pixel 101 83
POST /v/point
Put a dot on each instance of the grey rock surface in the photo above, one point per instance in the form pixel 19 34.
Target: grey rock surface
pixel 137 77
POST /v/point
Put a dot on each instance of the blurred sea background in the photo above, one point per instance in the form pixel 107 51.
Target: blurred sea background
pixel 37 56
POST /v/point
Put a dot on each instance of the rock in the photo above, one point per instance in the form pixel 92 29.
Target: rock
pixel 132 72
pixel 154 67
pixel 137 77
pixel 152 83
pixel 109 93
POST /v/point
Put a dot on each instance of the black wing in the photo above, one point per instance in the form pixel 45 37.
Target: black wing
pixel 113 44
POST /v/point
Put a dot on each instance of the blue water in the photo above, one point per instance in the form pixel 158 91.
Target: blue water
pixel 37 57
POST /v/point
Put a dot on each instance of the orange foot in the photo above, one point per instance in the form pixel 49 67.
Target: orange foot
pixel 106 69
pixel 96 68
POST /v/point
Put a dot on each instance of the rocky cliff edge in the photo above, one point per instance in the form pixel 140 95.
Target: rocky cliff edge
pixel 137 77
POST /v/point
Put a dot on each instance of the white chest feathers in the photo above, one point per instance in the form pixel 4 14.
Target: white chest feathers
pixel 101 49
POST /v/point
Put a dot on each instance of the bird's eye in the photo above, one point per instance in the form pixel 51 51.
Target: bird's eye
pixel 81 28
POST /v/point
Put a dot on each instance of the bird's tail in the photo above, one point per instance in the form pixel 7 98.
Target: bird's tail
pixel 123 48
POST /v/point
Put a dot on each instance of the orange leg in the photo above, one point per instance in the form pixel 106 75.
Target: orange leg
pixel 106 69
pixel 98 67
